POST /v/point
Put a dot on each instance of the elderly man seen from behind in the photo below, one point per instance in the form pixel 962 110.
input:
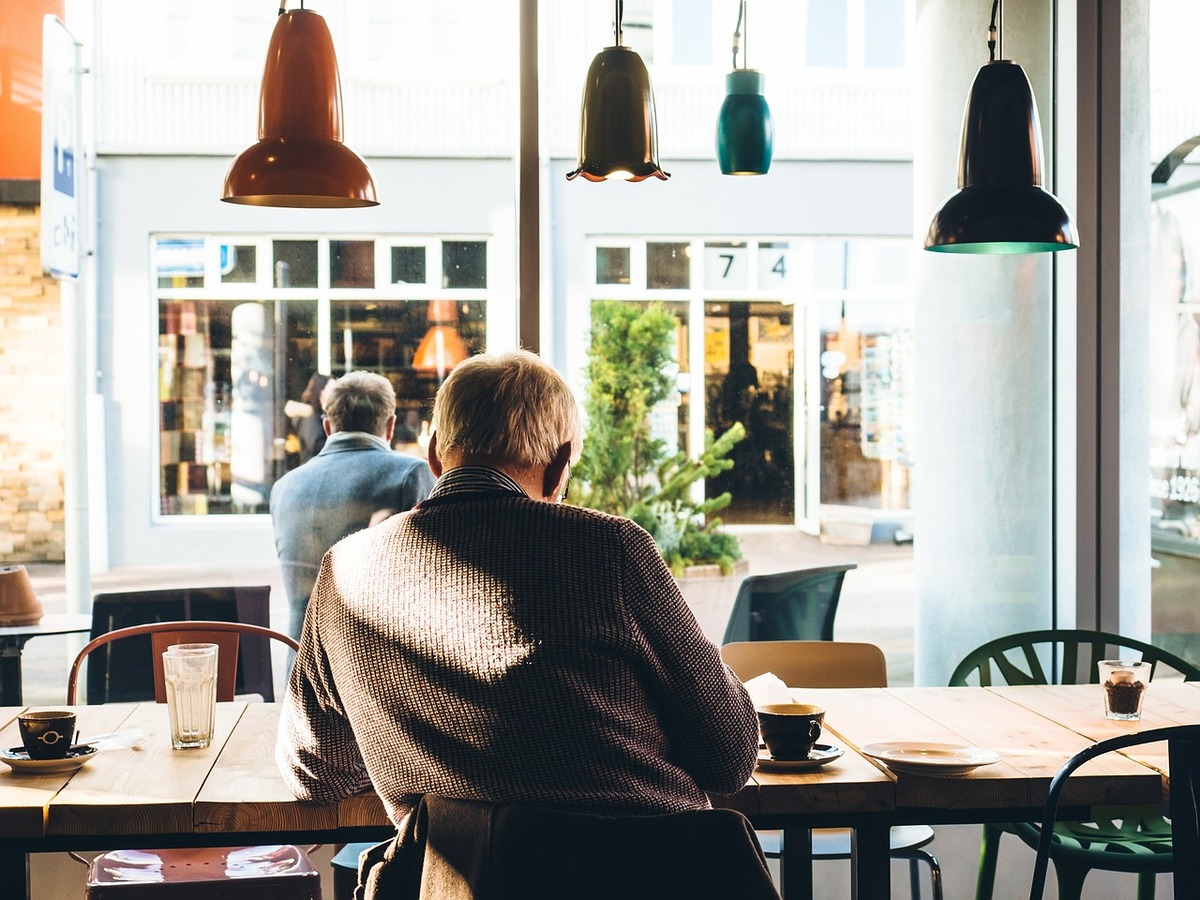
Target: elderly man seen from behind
pixel 493 644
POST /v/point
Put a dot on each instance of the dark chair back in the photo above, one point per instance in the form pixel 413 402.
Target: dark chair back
pixel 1183 742
pixel 787 606
pixel 123 672
pixel 1061 656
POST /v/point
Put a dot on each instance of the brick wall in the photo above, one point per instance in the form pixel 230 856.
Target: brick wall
pixel 32 442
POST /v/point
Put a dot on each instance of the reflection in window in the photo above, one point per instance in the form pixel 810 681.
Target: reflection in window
pixel 408 265
pixel 179 262
pixel 239 263
pixel 612 265
pixel 352 264
pixel 295 264
pixel 825 43
pixel 384 336
pixel 668 266
pixel 222 433
pixel 464 264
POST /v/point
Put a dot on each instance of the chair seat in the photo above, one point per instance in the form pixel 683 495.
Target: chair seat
pixel 272 872
pixel 834 843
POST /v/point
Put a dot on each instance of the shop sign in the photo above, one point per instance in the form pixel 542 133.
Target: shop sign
pixel 62 154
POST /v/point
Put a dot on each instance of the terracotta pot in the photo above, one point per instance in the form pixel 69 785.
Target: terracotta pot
pixel 19 605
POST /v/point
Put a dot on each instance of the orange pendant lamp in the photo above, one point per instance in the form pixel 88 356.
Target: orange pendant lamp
pixel 300 160
pixel 442 348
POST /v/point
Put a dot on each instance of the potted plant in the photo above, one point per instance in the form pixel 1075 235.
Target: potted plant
pixel 624 469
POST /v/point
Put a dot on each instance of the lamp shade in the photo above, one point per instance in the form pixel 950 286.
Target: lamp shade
pixel 299 159
pixel 618 134
pixel 745 130
pixel 19 604
pixel 442 348
pixel 1001 206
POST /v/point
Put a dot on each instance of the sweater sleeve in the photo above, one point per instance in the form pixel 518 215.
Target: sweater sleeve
pixel 706 712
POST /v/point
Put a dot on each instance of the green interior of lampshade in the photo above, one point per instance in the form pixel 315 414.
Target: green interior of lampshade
pixel 997 247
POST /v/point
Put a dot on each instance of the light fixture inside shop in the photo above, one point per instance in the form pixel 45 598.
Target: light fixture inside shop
pixel 618 134
pixel 1000 205
pixel 745 130
pixel 442 348
pixel 299 159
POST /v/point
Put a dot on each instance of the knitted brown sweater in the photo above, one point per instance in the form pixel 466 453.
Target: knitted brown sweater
pixel 487 646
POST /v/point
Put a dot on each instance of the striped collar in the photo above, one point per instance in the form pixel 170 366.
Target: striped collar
pixel 473 480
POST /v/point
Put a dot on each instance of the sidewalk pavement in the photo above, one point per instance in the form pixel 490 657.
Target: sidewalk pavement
pixel 877 602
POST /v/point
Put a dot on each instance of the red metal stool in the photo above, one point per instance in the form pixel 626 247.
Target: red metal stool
pixel 271 872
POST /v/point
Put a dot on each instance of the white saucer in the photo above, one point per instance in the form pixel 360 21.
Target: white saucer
pixel 18 760
pixel 817 757
pixel 911 758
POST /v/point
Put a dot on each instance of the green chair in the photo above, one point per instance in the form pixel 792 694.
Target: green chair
pixel 1124 839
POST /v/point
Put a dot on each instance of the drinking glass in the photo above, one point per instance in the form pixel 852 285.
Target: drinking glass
pixel 190 672
pixel 1124 682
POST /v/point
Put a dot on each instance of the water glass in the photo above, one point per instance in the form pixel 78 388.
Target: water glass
pixel 190 672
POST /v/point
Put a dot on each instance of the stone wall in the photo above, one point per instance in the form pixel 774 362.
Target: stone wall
pixel 32 437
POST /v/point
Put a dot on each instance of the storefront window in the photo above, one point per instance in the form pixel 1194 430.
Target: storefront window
pixel 233 370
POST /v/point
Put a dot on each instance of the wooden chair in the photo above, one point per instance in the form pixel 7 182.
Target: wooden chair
pixel 1183 748
pixel 125 677
pixel 826 664
pixel 1125 840
pixel 281 872
pixel 787 606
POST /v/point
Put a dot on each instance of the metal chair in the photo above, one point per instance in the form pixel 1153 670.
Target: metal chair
pixel 1136 840
pixel 1183 742
pixel 126 677
pixel 787 606
pixel 280 872
pixel 826 664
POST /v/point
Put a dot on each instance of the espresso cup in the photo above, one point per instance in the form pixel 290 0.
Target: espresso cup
pixel 790 729
pixel 48 734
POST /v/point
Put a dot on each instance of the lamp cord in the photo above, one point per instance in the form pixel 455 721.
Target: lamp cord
pixel 619 15
pixel 992 32
pixel 737 34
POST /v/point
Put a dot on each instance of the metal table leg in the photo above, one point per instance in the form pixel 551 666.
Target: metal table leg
pixel 795 864
pixel 10 669
pixel 870 864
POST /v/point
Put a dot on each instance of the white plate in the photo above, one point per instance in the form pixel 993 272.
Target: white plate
pixel 18 760
pixel 911 758
pixel 817 757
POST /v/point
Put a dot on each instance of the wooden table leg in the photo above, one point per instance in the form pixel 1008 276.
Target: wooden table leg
pixel 870 864
pixel 14 873
pixel 795 864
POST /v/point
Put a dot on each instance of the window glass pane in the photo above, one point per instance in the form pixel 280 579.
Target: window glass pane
pixel 825 37
pixel 388 337
pixel 464 264
pixel 691 37
pixel 295 264
pixel 884 39
pixel 726 266
pixel 239 263
pixel 352 264
pixel 223 381
pixel 408 265
pixel 179 262
pixel 829 264
pixel 667 266
pixel 612 265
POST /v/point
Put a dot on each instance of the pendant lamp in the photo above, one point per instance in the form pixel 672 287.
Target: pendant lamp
pixel 618 135
pixel 745 131
pixel 442 348
pixel 1001 206
pixel 300 160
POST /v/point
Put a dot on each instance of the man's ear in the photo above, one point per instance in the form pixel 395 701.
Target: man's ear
pixel 326 426
pixel 556 472
pixel 390 429
pixel 435 464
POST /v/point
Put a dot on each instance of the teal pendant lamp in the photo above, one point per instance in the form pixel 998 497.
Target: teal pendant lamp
pixel 1000 205
pixel 618 133
pixel 745 130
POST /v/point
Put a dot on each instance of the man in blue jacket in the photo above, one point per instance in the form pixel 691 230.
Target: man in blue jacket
pixel 355 481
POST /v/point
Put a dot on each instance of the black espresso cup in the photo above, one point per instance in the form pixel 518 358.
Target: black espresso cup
pixel 48 734
pixel 790 729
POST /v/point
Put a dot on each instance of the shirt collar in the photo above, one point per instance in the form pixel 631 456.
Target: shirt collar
pixel 359 436
pixel 474 479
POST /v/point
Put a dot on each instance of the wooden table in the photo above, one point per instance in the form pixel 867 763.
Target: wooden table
pixel 231 793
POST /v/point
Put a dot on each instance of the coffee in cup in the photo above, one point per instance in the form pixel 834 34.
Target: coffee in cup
pixel 47 734
pixel 790 729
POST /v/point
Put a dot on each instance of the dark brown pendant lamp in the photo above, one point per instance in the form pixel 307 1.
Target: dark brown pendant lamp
pixel 618 134
pixel 300 160
pixel 1001 206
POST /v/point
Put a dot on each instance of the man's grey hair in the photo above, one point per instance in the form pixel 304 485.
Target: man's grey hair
pixel 360 401
pixel 512 407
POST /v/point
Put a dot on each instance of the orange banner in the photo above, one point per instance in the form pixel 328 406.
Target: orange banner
pixel 21 85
